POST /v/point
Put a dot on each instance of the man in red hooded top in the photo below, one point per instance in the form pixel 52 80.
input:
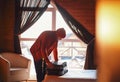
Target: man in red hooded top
pixel 41 49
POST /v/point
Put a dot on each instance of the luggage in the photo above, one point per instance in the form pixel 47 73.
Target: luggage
pixel 60 68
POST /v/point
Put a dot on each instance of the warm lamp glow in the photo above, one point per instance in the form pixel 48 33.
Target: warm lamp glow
pixel 108 40
pixel 108 20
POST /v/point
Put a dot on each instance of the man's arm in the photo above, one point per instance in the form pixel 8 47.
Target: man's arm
pixel 55 53
pixel 44 53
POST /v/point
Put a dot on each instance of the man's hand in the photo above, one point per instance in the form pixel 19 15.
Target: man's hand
pixel 50 65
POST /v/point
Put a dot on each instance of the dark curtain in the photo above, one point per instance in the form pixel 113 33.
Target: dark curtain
pixel 74 25
pixel 90 62
pixel 27 12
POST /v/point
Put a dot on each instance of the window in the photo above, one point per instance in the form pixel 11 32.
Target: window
pixel 71 49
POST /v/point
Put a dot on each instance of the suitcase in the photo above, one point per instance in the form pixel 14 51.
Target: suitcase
pixel 60 68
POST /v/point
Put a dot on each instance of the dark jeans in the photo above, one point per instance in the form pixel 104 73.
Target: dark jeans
pixel 40 67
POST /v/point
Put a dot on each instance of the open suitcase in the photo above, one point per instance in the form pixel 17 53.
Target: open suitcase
pixel 60 68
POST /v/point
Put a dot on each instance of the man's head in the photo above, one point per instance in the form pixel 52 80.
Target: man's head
pixel 61 33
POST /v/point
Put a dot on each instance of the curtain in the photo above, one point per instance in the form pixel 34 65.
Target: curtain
pixel 74 25
pixel 27 13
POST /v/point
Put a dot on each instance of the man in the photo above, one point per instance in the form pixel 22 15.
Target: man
pixel 41 49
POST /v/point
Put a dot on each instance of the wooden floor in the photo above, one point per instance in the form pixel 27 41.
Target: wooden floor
pixel 30 81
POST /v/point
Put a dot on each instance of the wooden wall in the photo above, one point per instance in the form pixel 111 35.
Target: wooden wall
pixel 7 12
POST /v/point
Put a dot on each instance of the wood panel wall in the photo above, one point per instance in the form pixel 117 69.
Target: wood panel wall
pixel 7 12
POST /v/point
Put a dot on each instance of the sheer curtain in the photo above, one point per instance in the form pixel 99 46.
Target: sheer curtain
pixel 27 13
pixel 74 25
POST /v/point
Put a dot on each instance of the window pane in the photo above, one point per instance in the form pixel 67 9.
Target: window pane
pixel 71 49
pixel 44 23
pixel 61 23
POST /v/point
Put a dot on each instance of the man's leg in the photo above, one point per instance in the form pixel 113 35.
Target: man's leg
pixel 44 69
pixel 39 70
